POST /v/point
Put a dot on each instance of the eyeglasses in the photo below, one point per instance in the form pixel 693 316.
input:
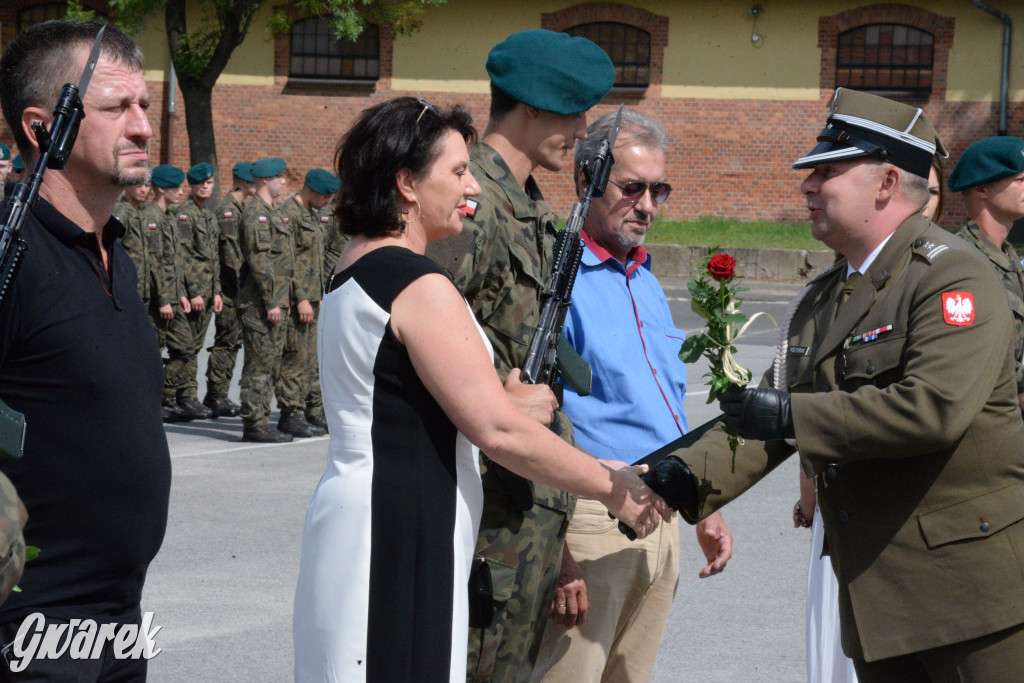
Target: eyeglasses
pixel 636 189
pixel 427 106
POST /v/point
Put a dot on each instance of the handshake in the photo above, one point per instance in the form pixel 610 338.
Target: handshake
pixel 672 480
pixel 761 414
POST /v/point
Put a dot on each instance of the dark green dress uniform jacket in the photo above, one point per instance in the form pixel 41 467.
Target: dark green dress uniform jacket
pixel 915 440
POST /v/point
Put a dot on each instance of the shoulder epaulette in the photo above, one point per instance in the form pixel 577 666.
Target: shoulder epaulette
pixel 929 249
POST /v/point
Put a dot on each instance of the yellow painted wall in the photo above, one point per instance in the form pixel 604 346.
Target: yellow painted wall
pixel 710 52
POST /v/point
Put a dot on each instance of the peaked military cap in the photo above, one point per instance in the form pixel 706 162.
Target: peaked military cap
pixel 861 124
pixel 5 152
pixel 322 182
pixel 200 172
pixel 551 71
pixel 268 168
pixel 167 176
pixel 986 161
pixel 17 163
pixel 243 170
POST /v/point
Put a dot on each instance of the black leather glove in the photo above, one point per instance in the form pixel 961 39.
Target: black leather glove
pixel 672 480
pixel 760 414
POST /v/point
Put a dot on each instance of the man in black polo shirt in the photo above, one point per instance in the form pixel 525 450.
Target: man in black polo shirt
pixel 79 358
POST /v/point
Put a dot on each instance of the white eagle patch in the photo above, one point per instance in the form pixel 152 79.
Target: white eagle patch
pixel 958 308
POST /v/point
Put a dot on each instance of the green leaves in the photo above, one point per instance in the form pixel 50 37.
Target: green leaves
pixel 693 348
pixel 31 553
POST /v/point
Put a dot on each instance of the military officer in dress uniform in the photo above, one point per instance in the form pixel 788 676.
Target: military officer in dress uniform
pixel 542 84
pixel 990 176
pixel 302 409
pixel 227 338
pixel 264 299
pixel 894 380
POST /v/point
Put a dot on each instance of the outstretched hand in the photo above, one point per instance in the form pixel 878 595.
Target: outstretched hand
pixel 634 503
pixel 673 481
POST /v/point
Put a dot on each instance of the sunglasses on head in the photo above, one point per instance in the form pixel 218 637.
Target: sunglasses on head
pixel 427 106
pixel 636 189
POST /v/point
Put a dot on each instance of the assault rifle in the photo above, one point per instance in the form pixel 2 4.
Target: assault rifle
pixel 549 355
pixel 54 149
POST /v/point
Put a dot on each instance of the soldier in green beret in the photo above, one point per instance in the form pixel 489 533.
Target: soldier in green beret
pixel 5 165
pixel 893 381
pixel 542 84
pixel 17 169
pixel 264 300
pixel 227 338
pixel 990 176
pixel 171 300
pixel 302 409
pixel 197 234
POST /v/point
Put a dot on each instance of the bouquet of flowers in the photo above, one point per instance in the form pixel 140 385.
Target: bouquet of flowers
pixel 713 297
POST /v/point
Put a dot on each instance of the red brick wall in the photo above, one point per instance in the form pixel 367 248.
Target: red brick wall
pixel 730 157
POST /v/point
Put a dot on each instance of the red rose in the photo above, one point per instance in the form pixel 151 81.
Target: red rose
pixel 722 267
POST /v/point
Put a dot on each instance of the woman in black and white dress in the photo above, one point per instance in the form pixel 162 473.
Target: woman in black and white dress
pixel 409 387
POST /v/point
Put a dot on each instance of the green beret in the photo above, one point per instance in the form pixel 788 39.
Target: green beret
pixel 322 182
pixel 243 170
pixel 268 168
pixel 200 172
pixel 551 71
pixel 987 161
pixel 167 176
pixel 5 152
pixel 17 164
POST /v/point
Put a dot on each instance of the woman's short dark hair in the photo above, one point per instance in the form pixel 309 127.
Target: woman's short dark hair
pixel 400 133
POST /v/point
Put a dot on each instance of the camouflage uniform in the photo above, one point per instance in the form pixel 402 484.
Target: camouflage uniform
pixel 301 388
pixel 142 242
pixel 500 262
pixel 164 273
pixel 12 540
pixel 266 283
pixel 1008 266
pixel 333 238
pixel 227 339
pixel 196 231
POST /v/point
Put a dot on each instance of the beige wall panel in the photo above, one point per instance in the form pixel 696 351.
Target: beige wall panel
pixel 975 62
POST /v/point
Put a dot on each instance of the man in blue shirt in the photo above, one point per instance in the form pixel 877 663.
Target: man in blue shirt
pixel 616 593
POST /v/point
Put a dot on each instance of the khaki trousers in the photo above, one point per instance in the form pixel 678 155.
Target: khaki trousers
pixel 630 587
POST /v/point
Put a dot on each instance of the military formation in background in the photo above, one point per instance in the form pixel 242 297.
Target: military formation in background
pixel 255 264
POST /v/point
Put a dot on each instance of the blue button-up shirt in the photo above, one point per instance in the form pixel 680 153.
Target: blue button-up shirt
pixel 620 323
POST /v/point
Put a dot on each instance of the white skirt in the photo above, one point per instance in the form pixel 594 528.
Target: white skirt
pixel 826 662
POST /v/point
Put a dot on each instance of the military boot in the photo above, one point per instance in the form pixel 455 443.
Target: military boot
pixel 169 410
pixel 191 409
pixel 265 434
pixel 221 405
pixel 317 420
pixel 292 422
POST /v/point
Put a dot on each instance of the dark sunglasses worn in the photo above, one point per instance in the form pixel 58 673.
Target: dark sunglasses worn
pixel 636 189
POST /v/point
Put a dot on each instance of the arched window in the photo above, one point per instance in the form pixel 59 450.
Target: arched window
pixel 887 59
pixel 629 48
pixel 317 54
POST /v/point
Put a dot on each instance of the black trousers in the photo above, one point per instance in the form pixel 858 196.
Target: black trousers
pixel 106 668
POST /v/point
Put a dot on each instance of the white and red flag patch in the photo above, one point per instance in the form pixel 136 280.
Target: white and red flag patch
pixel 262 219
pixel 958 308
pixel 470 209
pixel 228 214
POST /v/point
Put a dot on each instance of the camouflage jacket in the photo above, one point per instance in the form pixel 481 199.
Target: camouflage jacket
pixel 134 240
pixel 1011 273
pixel 229 216
pixel 198 234
pixel 268 250
pixel 333 238
pixel 166 271
pixel 309 251
pixel 500 262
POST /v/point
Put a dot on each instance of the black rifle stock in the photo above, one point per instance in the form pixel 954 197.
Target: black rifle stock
pixel 549 356
pixel 54 149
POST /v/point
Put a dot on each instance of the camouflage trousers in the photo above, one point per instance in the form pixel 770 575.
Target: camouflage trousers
pixel 523 550
pixel 227 340
pixel 314 401
pixel 261 366
pixel 185 335
pixel 159 324
pixel 293 379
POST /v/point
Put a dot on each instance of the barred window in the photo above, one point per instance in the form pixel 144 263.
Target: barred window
pixel 887 59
pixel 629 48
pixel 317 54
